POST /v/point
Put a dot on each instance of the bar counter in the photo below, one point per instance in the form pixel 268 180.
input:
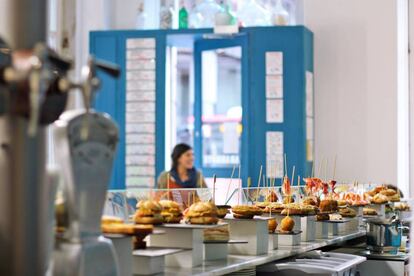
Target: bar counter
pixel 236 263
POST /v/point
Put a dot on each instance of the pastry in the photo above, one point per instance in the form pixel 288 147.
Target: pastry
pixel 322 217
pixel 335 217
pixel 271 225
pixel 342 203
pixel 220 233
pixel 298 209
pixel 262 205
pixel 223 210
pixel 202 213
pixel 148 212
pixel 379 199
pixel 111 220
pixel 274 207
pixel 310 201
pixel 287 224
pixel 369 212
pixel 347 212
pixel 171 211
pixel 402 206
pixel 388 192
pixel 246 211
pixel 328 206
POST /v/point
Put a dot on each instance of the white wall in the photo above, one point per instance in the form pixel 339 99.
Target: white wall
pixel 356 86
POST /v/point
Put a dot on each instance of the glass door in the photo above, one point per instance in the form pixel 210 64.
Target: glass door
pixel 220 101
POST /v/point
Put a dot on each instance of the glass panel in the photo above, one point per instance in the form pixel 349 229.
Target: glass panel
pixel 221 107
pixel 179 99
pixel 184 100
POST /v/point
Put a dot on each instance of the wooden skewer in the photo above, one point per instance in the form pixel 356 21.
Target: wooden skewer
pixel 188 199
pixel 285 170
pixel 200 180
pixel 168 185
pixel 334 168
pixel 228 186
pixel 320 167
pixel 293 181
pixel 260 176
pixel 214 189
pixel 240 187
pixel 249 184
pixel 194 196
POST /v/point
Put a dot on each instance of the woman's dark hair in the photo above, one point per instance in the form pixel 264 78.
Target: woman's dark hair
pixel 178 150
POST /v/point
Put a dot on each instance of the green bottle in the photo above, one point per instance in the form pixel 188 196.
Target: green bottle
pixel 183 17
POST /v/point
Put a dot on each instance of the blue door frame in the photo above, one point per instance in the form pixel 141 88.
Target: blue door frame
pixel 201 45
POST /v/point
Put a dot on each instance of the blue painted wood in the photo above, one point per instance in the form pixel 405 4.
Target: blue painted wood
pixel 290 41
pixel 295 42
pixel 111 97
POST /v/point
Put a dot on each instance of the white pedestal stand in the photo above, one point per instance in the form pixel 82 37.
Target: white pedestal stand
pixel 123 249
pixel 291 239
pixel 254 231
pixel 308 228
pixel 151 261
pixel 185 236
pixel 322 230
pixel 273 241
pixel 380 208
pixel 215 251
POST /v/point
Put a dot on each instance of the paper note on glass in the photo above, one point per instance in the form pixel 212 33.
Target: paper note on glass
pixel 274 86
pixel 274 142
pixel 274 63
pixel 309 128
pixel 274 165
pixel 274 154
pixel 309 94
pixel 274 111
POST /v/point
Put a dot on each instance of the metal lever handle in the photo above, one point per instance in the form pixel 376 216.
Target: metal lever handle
pixel 61 63
pixel 107 67
pixel 91 84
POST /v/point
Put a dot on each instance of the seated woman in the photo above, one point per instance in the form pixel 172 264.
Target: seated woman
pixel 182 174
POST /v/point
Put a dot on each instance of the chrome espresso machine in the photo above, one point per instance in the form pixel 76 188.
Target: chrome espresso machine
pixel 34 87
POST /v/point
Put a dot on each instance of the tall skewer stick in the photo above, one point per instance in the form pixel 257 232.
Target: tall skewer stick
pixel 240 187
pixel 293 181
pixel 320 167
pixel 194 198
pixel 260 176
pixel 334 168
pixel 264 186
pixel 249 184
pixel 168 185
pixel 231 179
pixel 214 189
pixel 286 168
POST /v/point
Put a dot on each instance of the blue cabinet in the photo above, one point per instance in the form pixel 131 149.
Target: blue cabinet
pixel 294 44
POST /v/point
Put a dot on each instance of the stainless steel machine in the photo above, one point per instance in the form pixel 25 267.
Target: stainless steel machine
pixel 30 100
pixel 85 144
pixel 33 94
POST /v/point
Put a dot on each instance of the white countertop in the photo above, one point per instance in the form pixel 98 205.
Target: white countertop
pixel 235 263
